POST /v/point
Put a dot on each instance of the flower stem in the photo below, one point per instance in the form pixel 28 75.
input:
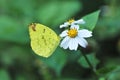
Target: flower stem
pixel 91 66
pixel 89 63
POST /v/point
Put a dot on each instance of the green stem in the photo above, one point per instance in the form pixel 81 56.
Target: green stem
pixel 91 66
pixel 89 63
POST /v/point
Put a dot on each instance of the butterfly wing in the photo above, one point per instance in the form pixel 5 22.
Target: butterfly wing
pixel 43 39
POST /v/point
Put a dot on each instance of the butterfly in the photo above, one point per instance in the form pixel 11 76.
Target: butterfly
pixel 44 40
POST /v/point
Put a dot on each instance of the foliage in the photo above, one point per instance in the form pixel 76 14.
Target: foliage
pixel 91 20
pixel 91 57
pixel 18 61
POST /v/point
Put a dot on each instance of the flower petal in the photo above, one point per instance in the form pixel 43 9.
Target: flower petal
pixel 84 33
pixel 82 42
pixel 64 33
pixel 75 27
pixel 66 24
pixel 73 44
pixel 65 45
pixel 80 21
pixel 64 42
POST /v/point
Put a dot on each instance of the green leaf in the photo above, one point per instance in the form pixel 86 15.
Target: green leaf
pixel 4 75
pixel 9 56
pixel 20 77
pixel 91 57
pixel 16 7
pixel 91 20
pixel 56 12
pixel 105 70
pixel 56 61
pixel 102 78
pixel 102 32
pixel 11 30
pixel 114 75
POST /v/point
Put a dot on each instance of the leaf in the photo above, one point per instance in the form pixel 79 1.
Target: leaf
pixel 91 20
pixel 44 40
pixel 20 77
pixel 56 61
pixel 105 70
pixel 10 29
pixel 4 75
pixel 107 23
pixel 102 78
pixel 14 53
pixel 17 8
pixel 114 75
pixel 59 12
pixel 91 57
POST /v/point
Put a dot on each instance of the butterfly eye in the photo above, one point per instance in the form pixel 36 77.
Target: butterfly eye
pixel 33 25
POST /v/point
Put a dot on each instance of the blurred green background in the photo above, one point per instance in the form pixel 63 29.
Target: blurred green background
pixel 18 61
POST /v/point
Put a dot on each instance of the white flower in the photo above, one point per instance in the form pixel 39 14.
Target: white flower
pixel 72 22
pixel 74 37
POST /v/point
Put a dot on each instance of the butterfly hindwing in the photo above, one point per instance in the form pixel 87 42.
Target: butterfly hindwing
pixel 43 39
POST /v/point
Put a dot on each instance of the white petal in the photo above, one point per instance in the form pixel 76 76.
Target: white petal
pixel 66 24
pixel 62 26
pixel 64 42
pixel 64 33
pixel 73 44
pixel 80 21
pixel 82 42
pixel 84 33
pixel 75 27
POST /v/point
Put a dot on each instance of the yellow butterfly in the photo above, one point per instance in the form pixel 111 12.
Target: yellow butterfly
pixel 44 40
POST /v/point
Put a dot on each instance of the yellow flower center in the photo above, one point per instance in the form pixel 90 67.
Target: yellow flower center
pixel 71 20
pixel 72 33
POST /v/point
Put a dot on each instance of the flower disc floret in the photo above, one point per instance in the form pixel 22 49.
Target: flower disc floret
pixel 71 21
pixel 72 33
